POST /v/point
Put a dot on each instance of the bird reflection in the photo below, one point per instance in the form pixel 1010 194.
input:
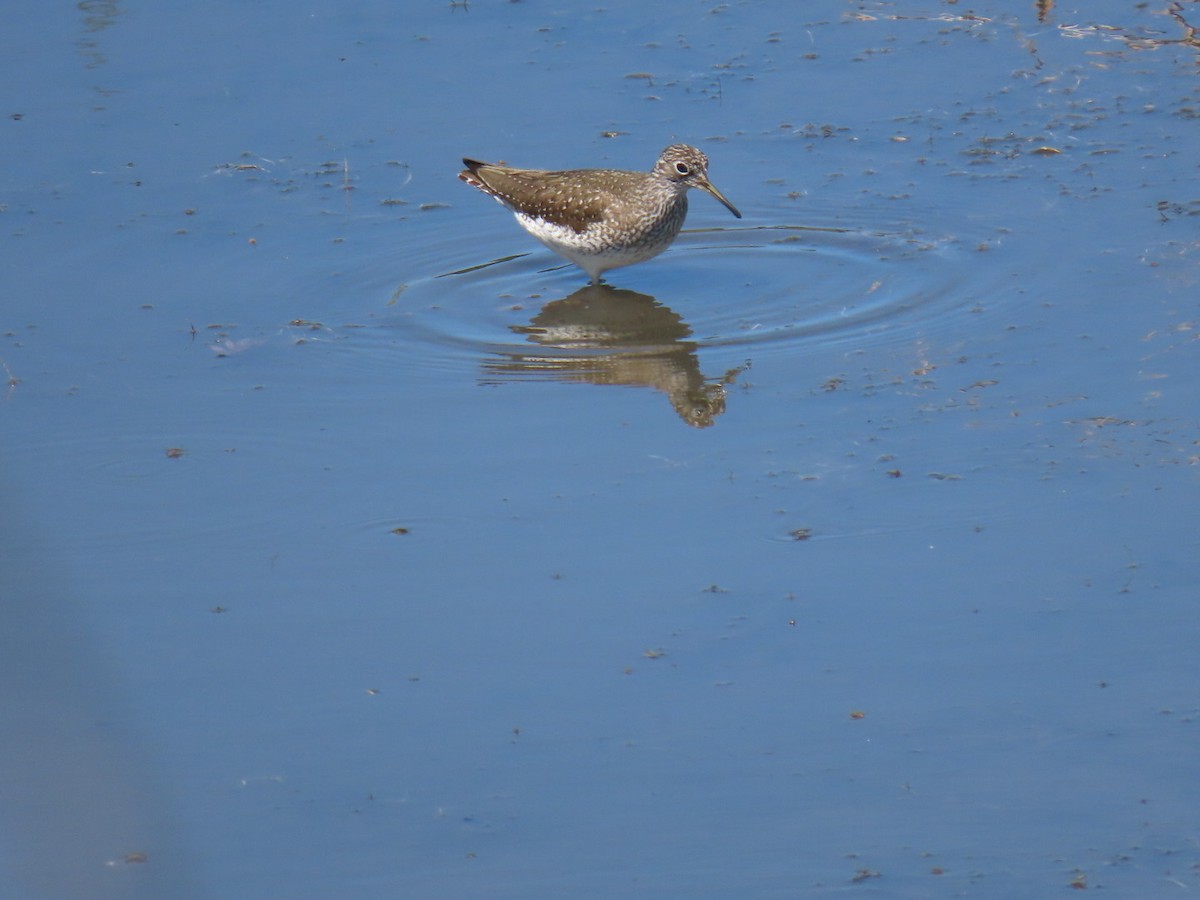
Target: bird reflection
pixel 604 335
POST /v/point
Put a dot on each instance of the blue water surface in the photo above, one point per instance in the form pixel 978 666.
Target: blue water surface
pixel 350 547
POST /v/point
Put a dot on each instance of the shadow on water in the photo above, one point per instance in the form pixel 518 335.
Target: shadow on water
pixel 85 814
pixel 605 335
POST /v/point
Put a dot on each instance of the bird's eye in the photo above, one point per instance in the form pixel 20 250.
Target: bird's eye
pixel 682 168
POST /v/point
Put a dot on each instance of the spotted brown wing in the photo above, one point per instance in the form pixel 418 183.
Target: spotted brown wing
pixel 575 199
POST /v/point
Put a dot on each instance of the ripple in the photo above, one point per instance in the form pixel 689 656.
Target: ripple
pixel 718 300
pixel 764 288
pixel 834 284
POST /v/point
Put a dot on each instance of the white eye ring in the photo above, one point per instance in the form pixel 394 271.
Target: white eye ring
pixel 682 168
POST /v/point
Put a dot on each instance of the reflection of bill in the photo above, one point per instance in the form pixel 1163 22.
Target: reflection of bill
pixel 603 335
pixel 80 813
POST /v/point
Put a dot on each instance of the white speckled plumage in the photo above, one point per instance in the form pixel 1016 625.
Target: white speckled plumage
pixel 601 219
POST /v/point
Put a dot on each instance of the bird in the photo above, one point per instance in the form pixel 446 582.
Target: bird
pixel 600 219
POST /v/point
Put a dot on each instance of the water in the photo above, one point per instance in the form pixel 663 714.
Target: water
pixel 354 547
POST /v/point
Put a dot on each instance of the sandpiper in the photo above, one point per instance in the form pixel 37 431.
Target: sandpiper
pixel 601 219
